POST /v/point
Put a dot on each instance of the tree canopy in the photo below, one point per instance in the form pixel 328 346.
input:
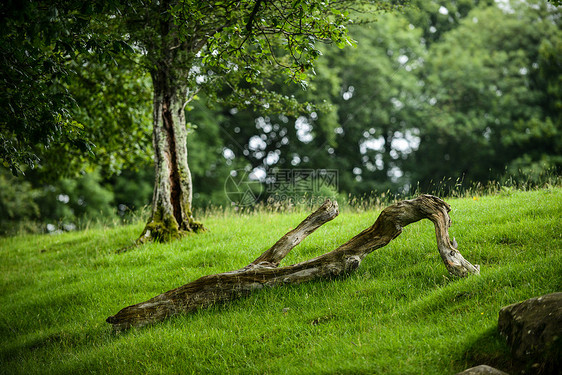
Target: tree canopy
pixel 446 90
pixel 39 41
pixel 51 50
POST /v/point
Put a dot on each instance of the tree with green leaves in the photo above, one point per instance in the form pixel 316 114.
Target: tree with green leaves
pixel 190 44
pixel 437 17
pixel 490 107
pixel 228 48
pixel 37 39
pixel 369 124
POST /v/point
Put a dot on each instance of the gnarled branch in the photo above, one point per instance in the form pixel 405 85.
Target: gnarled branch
pixel 264 271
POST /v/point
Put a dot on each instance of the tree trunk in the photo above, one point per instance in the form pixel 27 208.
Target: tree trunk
pixel 264 271
pixel 171 214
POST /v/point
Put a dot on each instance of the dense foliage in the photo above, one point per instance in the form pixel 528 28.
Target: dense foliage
pixel 39 41
pixel 449 92
pixel 493 89
pixel 446 92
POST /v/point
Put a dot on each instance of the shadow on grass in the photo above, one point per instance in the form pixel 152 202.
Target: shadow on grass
pixel 491 349
pixel 488 349
pixel 38 347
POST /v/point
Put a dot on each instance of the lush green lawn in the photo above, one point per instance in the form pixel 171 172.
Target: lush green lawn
pixel 400 313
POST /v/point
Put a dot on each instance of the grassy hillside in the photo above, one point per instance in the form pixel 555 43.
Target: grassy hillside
pixel 400 313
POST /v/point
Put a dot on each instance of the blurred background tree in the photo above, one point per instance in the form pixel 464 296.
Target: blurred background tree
pixel 489 109
pixel 445 91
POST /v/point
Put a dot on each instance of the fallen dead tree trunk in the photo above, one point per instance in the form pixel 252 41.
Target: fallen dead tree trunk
pixel 264 271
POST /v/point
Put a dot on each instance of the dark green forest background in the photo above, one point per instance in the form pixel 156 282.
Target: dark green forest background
pixel 445 94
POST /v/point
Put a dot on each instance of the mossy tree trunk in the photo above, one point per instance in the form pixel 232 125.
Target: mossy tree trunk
pixel 169 59
pixel 171 214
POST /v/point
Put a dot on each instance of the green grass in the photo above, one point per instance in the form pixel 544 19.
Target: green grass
pixel 400 313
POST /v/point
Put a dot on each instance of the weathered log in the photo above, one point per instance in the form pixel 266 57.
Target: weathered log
pixel 264 271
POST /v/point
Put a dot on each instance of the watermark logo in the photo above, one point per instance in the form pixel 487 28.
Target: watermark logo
pixel 296 186
pixel 241 189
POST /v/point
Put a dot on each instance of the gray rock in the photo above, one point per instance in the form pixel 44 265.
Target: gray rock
pixel 533 331
pixel 482 369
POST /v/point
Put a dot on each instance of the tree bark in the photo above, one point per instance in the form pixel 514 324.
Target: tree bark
pixel 169 60
pixel 264 271
pixel 171 214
